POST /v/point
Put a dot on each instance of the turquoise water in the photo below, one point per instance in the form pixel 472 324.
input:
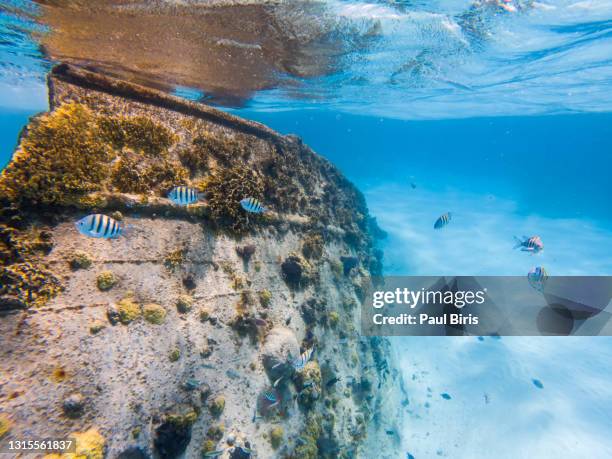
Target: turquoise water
pixel 505 120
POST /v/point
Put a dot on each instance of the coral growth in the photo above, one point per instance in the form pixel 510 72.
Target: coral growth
pixel 5 425
pixel 106 280
pixel 128 310
pixel 61 156
pixel 26 284
pixel 297 272
pixel 208 447
pixel 138 133
pixel 307 448
pixel 175 355
pixel 225 189
pixel 89 445
pixel 276 436
pixel 96 327
pixel 312 246
pixel 134 174
pixel 184 303
pixel 204 314
pixel 154 313
pixel 265 297
pixel 217 405
pixel 80 260
pixel 174 259
pixel 309 384
pixel 174 434
pixel 333 318
pixel 222 148
pixel 215 432
pixel 246 252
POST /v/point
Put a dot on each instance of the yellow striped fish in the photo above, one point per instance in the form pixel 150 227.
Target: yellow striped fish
pixel 100 226
pixel 252 205
pixel 183 195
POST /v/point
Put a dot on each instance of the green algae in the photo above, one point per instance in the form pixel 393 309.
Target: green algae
pixel 154 313
pixel 215 432
pixel 265 298
pixel 308 449
pixel 333 318
pixel 60 156
pixel 174 259
pixel 96 327
pixel 106 280
pixel 5 425
pixel 217 405
pixel 225 189
pixel 276 436
pixel 80 260
pixel 128 310
pixel 312 246
pixel 184 303
pixel 139 133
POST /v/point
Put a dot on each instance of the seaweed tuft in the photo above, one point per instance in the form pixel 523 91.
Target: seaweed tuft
pixel 60 157
pixel 225 189
pixel 139 133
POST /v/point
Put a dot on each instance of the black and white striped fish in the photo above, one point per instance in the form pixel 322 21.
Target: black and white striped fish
pixel 301 361
pixel 100 226
pixel 442 221
pixel 183 195
pixel 531 244
pixel 252 205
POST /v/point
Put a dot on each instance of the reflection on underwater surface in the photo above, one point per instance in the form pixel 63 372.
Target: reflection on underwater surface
pixel 409 60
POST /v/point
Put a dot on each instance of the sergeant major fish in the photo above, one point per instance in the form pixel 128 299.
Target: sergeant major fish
pixel 531 244
pixel 100 226
pixel 183 195
pixel 252 205
pixel 301 361
pixel 537 278
pixel 443 220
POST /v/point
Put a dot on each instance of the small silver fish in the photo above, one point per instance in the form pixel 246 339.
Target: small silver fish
pixel 99 226
pixel 252 205
pixel 214 453
pixel 183 195
pixel 232 374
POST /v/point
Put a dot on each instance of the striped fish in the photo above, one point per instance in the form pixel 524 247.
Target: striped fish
pixel 531 244
pixel 183 195
pixel 442 221
pixel 270 396
pixel 100 226
pixel 537 278
pixel 301 361
pixel 252 205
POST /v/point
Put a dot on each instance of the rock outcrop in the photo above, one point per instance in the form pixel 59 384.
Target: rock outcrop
pixel 179 337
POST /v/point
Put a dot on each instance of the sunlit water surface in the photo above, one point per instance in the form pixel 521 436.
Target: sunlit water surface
pixel 428 106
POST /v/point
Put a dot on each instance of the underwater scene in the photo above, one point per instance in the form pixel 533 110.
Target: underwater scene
pixel 196 195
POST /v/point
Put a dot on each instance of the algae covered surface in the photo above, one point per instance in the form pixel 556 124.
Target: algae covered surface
pixel 178 337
